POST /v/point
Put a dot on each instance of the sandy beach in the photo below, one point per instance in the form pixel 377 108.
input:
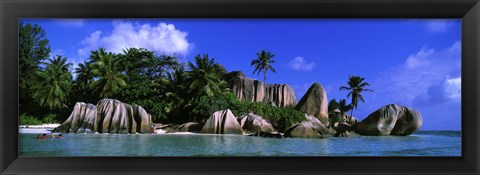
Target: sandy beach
pixel 37 129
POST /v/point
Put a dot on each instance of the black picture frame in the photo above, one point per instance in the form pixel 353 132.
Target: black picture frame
pixel 11 11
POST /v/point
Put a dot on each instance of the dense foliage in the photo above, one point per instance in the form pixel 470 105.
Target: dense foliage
pixel 33 50
pixel 337 111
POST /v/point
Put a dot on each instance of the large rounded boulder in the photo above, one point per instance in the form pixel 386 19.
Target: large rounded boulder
pixel 252 123
pixel 391 119
pixel 315 102
pixel 108 116
pixel 222 122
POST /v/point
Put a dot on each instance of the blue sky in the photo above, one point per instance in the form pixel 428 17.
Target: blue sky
pixel 410 62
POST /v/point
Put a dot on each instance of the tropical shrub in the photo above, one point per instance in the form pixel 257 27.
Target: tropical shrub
pixel 50 118
pixel 28 120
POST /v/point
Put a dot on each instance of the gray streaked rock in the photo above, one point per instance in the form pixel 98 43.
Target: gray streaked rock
pixel 391 119
pixel 222 122
pixel 109 116
pixel 252 123
pixel 253 90
pixel 80 120
pixel 281 95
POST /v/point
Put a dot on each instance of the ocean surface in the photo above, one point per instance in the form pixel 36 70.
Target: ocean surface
pixel 421 143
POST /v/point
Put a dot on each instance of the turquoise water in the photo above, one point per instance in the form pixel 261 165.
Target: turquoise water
pixel 422 143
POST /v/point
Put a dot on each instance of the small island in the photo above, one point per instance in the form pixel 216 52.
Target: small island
pixel 170 104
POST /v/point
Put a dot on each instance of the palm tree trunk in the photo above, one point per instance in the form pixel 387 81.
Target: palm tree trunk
pixel 265 85
pixel 351 115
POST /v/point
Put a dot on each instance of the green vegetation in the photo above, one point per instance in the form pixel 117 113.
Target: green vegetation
pixel 28 120
pixel 54 84
pixel 33 50
pixel 50 119
pixel 106 68
pixel 169 90
pixel 356 86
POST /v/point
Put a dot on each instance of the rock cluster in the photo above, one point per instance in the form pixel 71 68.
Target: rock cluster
pixel 391 119
pixel 253 90
pixel 108 116
pixel 312 128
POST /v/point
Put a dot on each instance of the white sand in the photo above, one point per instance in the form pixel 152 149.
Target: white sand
pixel 37 129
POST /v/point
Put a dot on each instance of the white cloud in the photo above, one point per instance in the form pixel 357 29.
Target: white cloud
pixel 417 60
pixel 91 42
pixel 162 38
pixel 427 72
pixel 453 87
pixel 70 22
pixel 300 64
pixel 437 26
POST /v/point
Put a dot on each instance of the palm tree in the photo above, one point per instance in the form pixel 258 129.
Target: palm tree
pixel 332 105
pixel 356 86
pixel 343 107
pixel 107 70
pixel 263 63
pixel 204 78
pixel 175 91
pixel 84 73
pixel 54 85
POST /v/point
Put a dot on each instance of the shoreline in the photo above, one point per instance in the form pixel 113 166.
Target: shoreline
pixel 37 129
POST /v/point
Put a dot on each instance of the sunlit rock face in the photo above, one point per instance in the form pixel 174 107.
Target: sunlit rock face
pixel 391 119
pixel 252 123
pixel 253 90
pixel 280 95
pixel 222 122
pixel 315 102
pixel 247 89
pixel 108 116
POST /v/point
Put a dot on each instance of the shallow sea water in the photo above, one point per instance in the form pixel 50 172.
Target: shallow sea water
pixel 421 143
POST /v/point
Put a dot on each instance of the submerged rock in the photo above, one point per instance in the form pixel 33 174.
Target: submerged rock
pixel 222 122
pixel 252 123
pixel 391 119
pixel 109 116
pixel 315 102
